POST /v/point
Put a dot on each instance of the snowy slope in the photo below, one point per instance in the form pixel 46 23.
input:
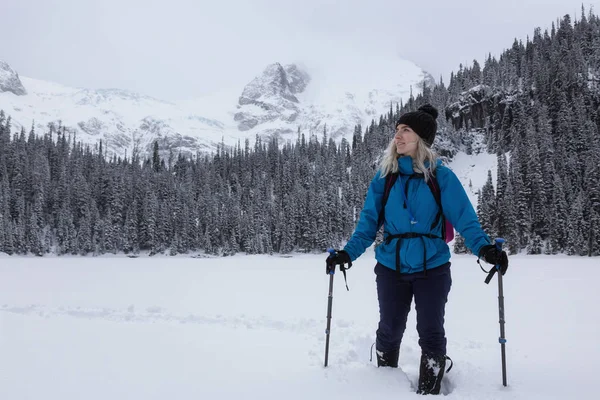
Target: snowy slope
pixel 279 101
pixel 472 171
pixel 157 328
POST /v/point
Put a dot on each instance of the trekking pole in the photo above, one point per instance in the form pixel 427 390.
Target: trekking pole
pixel 502 339
pixel 329 305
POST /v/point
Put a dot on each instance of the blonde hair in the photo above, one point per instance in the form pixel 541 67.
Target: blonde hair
pixel 389 162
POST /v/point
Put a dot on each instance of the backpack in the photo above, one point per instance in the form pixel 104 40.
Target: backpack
pixel 447 228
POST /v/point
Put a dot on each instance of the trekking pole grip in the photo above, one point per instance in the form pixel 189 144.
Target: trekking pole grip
pixel 332 252
pixel 499 242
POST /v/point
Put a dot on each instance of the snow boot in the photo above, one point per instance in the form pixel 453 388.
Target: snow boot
pixel 431 373
pixel 388 358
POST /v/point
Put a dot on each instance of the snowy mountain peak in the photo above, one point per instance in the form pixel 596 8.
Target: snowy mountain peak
pixel 271 97
pixel 337 95
pixel 9 80
pixel 272 82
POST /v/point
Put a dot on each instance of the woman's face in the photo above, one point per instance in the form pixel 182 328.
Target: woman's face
pixel 406 140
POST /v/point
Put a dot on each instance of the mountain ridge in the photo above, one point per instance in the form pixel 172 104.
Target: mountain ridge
pixel 282 100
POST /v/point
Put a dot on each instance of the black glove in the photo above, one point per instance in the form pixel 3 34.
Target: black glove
pixel 340 258
pixel 492 255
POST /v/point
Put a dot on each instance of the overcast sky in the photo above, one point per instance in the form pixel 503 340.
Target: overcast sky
pixel 181 49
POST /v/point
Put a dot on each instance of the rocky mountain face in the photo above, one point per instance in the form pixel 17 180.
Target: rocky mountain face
pixel 271 97
pixel 9 80
pixel 475 105
pixel 281 101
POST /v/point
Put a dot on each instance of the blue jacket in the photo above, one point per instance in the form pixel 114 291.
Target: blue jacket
pixel 421 204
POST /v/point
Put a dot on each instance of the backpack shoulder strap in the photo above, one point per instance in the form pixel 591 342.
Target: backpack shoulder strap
pixel 435 189
pixel 437 195
pixel 390 179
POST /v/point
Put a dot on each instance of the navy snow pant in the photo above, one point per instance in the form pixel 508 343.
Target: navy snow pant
pixel 395 293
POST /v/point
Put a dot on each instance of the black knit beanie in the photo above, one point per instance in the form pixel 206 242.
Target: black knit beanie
pixel 422 121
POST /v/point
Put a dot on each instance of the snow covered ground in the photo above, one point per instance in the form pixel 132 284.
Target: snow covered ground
pixel 253 327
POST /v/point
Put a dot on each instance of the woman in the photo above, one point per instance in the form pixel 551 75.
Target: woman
pixel 414 260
